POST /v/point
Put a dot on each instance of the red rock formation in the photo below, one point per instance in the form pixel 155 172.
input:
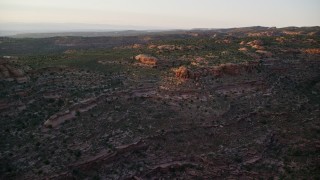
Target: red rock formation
pixel 312 51
pixel 316 33
pixel 261 34
pixel 152 46
pixel 258 47
pixel 183 72
pixel 137 46
pixel 243 49
pixel 227 41
pixel 292 32
pixel 146 59
pixel 281 40
pixel 216 71
pixel 255 42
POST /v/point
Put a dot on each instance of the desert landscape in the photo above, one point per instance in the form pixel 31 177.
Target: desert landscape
pixel 237 103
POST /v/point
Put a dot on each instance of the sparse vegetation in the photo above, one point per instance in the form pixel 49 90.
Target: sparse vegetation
pixel 93 111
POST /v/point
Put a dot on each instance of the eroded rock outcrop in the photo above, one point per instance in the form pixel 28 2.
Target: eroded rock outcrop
pixel 256 44
pixel 10 72
pixel 137 46
pixel 71 113
pixel 146 59
pixel 281 40
pixel 183 72
pixel 152 46
pixel 263 34
pixel 292 32
pixel 169 47
pixel 216 71
pixel 244 49
pixel 312 51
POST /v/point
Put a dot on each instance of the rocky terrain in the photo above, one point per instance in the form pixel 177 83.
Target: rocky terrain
pixel 202 104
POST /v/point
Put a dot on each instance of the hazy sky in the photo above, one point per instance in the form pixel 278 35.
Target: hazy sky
pixel 165 13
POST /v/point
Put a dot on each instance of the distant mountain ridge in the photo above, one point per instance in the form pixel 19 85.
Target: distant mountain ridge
pixel 47 30
pixel 8 29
